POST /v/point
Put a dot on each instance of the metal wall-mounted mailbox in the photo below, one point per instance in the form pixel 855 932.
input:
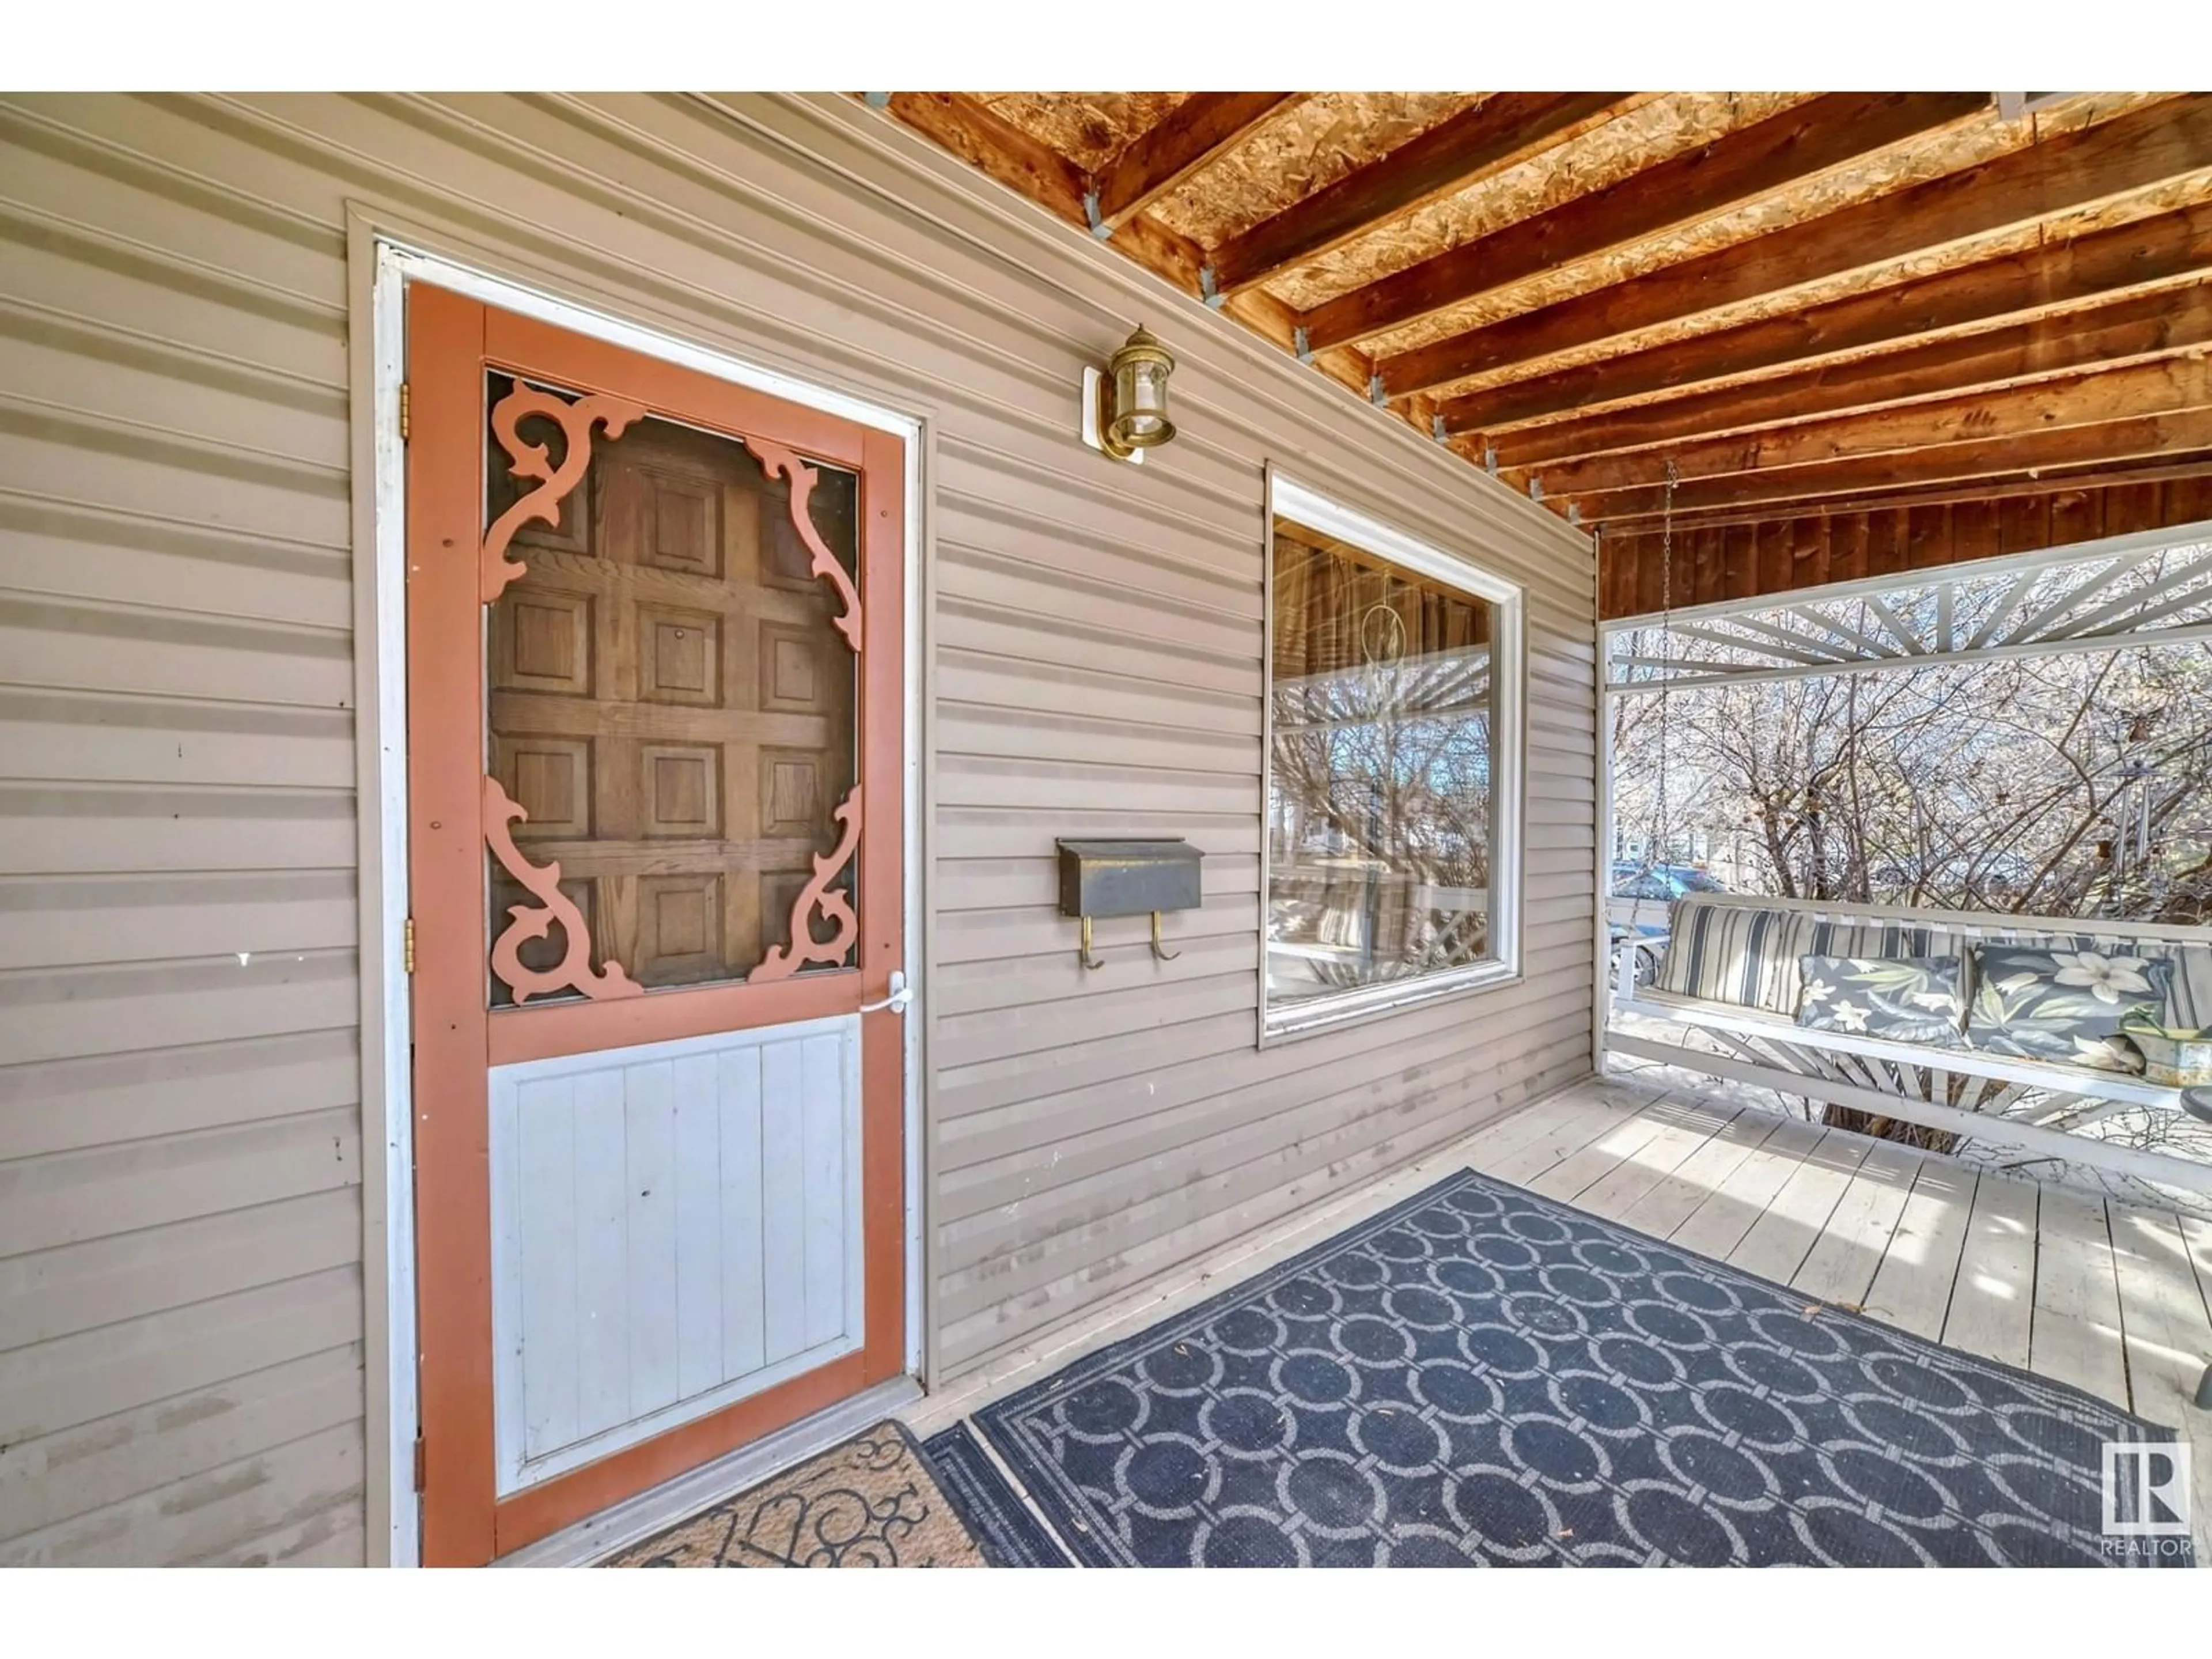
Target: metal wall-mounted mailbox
pixel 1127 879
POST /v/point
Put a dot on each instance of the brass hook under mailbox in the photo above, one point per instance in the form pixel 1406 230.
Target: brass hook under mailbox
pixel 1127 879
pixel 1159 950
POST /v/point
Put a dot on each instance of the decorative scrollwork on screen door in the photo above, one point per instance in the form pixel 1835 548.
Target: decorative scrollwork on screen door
pixel 530 922
pixel 823 926
pixel 530 460
pixel 776 459
pixel 783 961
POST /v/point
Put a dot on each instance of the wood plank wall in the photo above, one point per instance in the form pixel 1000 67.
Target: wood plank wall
pixel 1774 556
pixel 181 1125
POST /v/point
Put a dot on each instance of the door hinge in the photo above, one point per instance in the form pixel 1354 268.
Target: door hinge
pixel 403 412
pixel 407 947
pixel 421 1465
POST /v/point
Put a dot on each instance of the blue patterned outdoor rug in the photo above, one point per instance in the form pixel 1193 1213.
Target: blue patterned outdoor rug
pixel 997 1518
pixel 1481 1376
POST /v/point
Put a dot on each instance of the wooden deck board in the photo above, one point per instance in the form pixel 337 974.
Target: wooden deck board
pixel 1559 1137
pixel 2112 1299
pixel 1649 1138
pixel 2196 1232
pixel 1911 1289
pixel 1840 1266
pixel 2196 1239
pixel 1719 1225
pixel 2162 1313
pixel 2074 1330
pixel 1672 1200
pixel 1687 1133
pixel 1489 1146
pixel 1993 1298
pixel 1785 1234
pixel 2167 1331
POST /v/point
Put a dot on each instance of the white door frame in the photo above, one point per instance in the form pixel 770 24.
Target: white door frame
pixel 386 255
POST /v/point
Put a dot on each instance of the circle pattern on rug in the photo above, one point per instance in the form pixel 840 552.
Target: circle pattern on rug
pixel 1482 1377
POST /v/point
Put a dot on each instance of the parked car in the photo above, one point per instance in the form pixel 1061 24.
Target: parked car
pixel 1641 946
pixel 1632 879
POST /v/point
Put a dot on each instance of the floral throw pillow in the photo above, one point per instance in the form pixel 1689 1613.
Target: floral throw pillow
pixel 1903 999
pixel 2063 1005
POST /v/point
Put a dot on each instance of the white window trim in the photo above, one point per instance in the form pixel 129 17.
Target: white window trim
pixel 1289 499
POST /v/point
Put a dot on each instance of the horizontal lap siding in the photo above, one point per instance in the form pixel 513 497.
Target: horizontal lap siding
pixel 180 1291
pixel 180 1224
pixel 1103 675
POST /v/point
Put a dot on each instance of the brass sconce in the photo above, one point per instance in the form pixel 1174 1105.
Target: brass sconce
pixel 1125 409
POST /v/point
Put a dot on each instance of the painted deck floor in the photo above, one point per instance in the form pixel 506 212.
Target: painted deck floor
pixel 2113 1297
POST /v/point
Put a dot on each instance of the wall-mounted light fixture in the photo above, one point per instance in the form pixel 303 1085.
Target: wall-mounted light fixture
pixel 1125 409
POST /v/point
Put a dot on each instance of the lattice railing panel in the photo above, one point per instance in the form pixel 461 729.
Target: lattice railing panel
pixel 2143 592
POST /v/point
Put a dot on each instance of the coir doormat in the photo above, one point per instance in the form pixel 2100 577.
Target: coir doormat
pixel 870 1502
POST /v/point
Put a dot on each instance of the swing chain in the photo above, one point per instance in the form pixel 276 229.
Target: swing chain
pixel 1662 828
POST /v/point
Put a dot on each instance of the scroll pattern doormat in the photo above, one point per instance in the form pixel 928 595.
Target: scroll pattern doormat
pixel 870 1502
pixel 1481 1376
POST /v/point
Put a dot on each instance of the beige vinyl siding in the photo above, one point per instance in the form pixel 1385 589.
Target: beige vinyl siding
pixel 181 1296
pixel 180 1224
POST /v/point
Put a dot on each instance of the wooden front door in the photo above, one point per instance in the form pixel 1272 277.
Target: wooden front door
pixel 655 759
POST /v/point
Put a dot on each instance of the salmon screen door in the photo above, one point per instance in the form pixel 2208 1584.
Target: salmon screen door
pixel 655 759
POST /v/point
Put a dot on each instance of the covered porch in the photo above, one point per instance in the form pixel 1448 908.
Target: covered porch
pixel 1466 382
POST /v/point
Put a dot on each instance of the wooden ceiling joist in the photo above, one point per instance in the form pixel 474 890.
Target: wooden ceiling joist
pixel 2138 437
pixel 2193 464
pixel 2140 326
pixel 2140 254
pixel 999 149
pixel 1203 127
pixel 2130 154
pixel 1898 306
pixel 2159 385
pixel 988 142
pixel 1745 166
pixel 1504 130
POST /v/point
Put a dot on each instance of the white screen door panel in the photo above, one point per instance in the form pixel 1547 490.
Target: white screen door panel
pixel 674 1227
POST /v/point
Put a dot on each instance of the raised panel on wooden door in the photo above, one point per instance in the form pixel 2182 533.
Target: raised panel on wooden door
pixel 670 701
